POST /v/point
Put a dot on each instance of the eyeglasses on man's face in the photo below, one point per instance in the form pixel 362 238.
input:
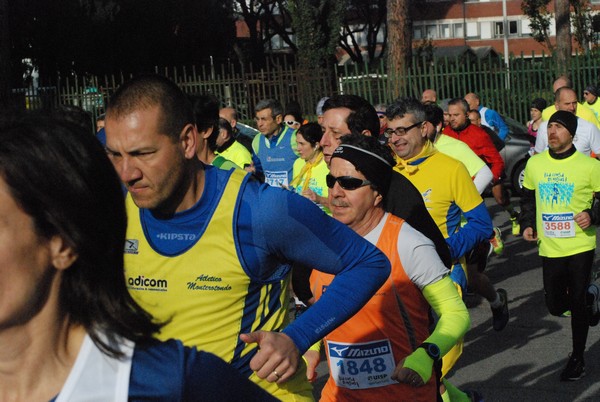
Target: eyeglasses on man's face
pixel 292 123
pixel 346 182
pixel 400 131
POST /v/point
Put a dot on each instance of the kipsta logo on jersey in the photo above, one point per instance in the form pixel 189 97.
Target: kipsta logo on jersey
pixel 131 246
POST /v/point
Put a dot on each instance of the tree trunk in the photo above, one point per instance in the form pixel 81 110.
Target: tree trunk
pixel 4 55
pixel 563 37
pixel 399 44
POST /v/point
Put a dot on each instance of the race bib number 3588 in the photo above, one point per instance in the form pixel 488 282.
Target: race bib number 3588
pixel 557 225
pixel 361 365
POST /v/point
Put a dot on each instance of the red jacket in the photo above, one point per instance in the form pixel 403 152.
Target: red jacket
pixel 481 143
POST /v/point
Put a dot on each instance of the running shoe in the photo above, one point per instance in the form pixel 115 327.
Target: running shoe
pixel 592 299
pixel 500 314
pixel 516 228
pixel 566 314
pixel 497 242
pixel 574 370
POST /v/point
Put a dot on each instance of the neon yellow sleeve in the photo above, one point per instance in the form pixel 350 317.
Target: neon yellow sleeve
pixel 454 322
pixel 317 346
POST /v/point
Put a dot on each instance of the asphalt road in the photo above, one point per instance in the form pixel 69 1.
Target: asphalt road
pixel 523 362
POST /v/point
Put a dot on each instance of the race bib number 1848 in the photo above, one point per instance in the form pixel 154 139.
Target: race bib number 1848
pixel 361 365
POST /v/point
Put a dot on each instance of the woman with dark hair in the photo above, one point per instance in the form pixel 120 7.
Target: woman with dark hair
pixel 537 107
pixel 310 168
pixel 293 115
pixel 68 326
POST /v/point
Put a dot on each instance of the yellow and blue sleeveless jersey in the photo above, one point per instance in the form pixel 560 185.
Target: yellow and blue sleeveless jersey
pixel 221 268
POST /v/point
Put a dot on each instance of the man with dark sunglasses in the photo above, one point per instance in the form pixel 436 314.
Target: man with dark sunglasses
pixel 387 348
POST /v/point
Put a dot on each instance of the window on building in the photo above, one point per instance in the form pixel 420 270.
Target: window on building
pixel 445 31
pixel 459 31
pixel 418 32
pixel 472 30
pixel 276 42
pixel 498 28
pixel 431 31
pixel 513 28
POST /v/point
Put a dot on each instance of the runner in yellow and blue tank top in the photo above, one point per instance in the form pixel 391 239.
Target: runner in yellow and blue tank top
pixel 200 254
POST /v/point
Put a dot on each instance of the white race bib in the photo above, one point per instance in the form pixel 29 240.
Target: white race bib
pixel 557 225
pixel 276 179
pixel 361 365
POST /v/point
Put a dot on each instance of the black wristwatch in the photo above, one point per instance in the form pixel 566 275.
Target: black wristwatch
pixel 432 350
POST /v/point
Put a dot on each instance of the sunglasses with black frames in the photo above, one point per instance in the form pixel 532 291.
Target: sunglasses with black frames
pixel 346 182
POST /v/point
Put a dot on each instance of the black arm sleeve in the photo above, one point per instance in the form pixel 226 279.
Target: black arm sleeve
pixel 527 215
pixel 405 201
pixel 594 211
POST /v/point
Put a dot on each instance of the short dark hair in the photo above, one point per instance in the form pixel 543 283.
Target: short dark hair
pixel 475 111
pixel 206 116
pixel 225 125
pixel 403 106
pixel 433 113
pixel 362 114
pixel 311 132
pixel 76 115
pixel 63 180
pixel 150 90
pixel 293 108
pixel 459 102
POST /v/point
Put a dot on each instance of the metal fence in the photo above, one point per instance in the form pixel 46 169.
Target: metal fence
pixel 507 89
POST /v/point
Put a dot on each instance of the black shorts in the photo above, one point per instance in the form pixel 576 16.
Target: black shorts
pixel 479 255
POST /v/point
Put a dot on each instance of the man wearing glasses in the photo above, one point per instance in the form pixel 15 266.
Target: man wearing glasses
pixel 449 193
pixel 590 94
pixel 274 151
